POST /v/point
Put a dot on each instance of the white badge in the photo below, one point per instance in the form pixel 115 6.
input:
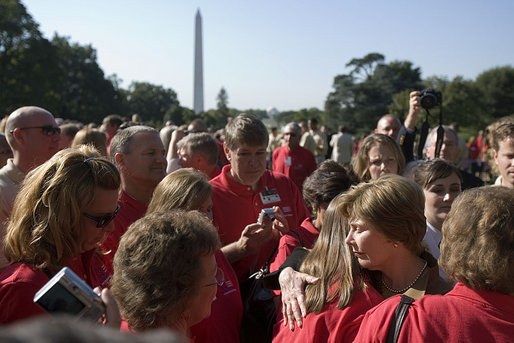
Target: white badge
pixel 288 161
pixel 269 196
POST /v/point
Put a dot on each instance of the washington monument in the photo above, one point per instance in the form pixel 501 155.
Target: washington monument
pixel 198 91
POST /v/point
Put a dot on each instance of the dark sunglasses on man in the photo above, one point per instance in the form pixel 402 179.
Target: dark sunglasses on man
pixel 48 130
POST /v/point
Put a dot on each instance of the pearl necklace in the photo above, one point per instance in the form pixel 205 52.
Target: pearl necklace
pixel 398 291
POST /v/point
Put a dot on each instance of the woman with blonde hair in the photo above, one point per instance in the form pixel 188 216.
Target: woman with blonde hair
pixel 60 217
pixel 188 189
pixel 335 303
pixel 93 137
pixel 476 250
pixel 378 155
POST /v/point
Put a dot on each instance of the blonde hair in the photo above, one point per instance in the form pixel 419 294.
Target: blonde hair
pixel 45 221
pixel 477 245
pixel 332 261
pixel 185 189
pixel 393 205
pixel 92 137
pixel 361 161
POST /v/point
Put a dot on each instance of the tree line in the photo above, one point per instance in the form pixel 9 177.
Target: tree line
pixel 65 78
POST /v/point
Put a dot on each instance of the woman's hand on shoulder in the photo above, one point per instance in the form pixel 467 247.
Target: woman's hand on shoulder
pixel 292 287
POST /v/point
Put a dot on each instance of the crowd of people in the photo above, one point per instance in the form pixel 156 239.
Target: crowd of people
pixel 168 228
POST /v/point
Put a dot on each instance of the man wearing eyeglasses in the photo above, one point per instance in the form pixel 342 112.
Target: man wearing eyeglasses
pixel 291 159
pixel 33 136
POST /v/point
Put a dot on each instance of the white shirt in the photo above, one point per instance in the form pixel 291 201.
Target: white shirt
pixel 432 240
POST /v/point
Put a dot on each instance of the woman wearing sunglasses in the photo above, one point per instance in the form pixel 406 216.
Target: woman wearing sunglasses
pixel 61 215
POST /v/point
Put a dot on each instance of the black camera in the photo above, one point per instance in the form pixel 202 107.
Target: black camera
pixel 430 98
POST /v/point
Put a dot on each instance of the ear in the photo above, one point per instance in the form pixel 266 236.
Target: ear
pixel 495 156
pixel 226 150
pixel 119 158
pixel 18 135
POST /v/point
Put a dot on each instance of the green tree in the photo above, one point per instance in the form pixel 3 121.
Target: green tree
pixel 81 91
pixel 25 59
pixel 497 91
pixel 222 102
pixel 152 102
pixel 363 95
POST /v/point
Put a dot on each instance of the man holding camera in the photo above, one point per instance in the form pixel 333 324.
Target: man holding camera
pixel 243 189
pixel 449 150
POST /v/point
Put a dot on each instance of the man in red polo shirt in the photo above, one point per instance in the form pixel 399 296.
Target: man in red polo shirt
pixel 140 157
pixel 292 159
pixel 243 189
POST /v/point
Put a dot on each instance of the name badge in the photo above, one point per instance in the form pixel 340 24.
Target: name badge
pixel 269 196
pixel 288 161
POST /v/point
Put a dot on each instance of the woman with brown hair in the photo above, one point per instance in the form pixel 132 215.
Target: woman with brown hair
pixel 165 273
pixel 441 184
pixel 385 229
pixel 476 250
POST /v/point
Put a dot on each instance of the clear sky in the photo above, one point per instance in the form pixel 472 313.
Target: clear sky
pixel 281 53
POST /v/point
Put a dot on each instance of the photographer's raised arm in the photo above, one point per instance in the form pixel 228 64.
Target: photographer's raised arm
pixel 414 108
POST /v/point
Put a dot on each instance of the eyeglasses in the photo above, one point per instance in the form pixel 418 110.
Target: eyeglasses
pixel 48 130
pixel 103 221
pixel 220 279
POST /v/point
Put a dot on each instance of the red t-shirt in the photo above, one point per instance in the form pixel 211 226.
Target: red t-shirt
pixel 332 324
pixel 20 281
pixel 308 234
pixel 236 205
pixel 461 315
pixel 298 163
pixel 130 211
pixel 224 323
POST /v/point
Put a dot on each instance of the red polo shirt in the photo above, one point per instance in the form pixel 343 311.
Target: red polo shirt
pixel 235 206
pixel 298 163
pixel 224 323
pixel 308 234
pixel 461 315
pixel 130 211
pixel 332 325
pixel 19 282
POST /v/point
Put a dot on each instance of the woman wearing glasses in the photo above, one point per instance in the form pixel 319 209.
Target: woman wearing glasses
pixel 165 272
pixel 61 215
pixel 187 189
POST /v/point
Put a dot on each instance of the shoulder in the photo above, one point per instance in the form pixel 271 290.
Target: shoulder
pixel 376 321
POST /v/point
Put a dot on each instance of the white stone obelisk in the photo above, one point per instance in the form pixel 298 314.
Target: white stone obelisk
pixel 198 86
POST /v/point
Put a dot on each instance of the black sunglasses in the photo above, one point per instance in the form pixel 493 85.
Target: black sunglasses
pixel 103 221
pixel 48 130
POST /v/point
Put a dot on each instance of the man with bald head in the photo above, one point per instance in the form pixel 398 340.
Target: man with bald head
pixel 34 137
pixel 388 125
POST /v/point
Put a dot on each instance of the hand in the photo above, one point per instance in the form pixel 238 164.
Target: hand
pixel 414 102
pixel 414 108
pixel 176 136
pixel 292 286
pixel 112 312
pixel 254 236
pixel 280 223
